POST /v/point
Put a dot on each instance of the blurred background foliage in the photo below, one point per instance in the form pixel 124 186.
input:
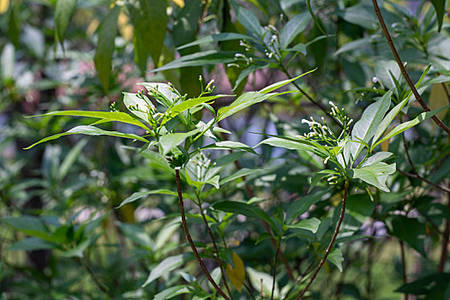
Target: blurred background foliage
pixel 61 236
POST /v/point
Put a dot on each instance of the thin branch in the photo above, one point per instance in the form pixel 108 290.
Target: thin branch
pixel 97 281
pixel 216 249
pixel 402 67
pixel 316 103
pixel 189 238
pixel 402 252
pixel 274 274
pixel 445 240
pixel 330 245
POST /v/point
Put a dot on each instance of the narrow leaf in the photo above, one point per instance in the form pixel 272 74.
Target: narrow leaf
pixel 89 130
pixel 294 27
pixel 105 47
pixel 224 36
pixel 139 195
pixel 63 13
pixel 165 266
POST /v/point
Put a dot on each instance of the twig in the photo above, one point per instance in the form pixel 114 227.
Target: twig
pixel 330 245
pixel 442 188
pixel 216 249
pixel 274 274
pixel 445 240
pixel 189 238
pixel 402 67
pixel 316 103
pixel 97 282
pixel 402 252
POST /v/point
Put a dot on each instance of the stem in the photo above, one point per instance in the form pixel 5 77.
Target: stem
pixel 97 282
pixel 216 249
pixel 274 274
pixel 330 245
pixel 316 103
pixel 415 174
pixel 402 67
pixel 402 252
pixel 445 240
pixel 189 238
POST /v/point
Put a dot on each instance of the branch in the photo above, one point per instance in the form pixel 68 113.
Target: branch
pixel 274 270
pixel 316 103
pixel 402 252
pixel 216 249
pixel 402 68
pixel 189 238
pixel 330 245
pixel 445 239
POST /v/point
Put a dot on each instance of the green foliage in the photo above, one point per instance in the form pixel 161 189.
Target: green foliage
pixel 233 177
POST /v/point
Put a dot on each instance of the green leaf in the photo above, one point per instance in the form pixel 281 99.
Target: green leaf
pixel 209 57
pixel 335 257
pixel 263 281
pixel 71 158
pixel 366 127
pixel 294 27
pixel 406 125
pixel 139 195
pixel 307 224
pixel 167 265
pixel 104 115
pixel 242 102
pixel 32 243
pixel 288 144
pixel 375 174
pixel 150 22
pixel 171 140
pixel 300 206
pixel 136 234
pixel 239 174
pixel 244 209
pixel 63 13
pixel 137 106
pixel 105 46
pixel 174 291
pixel 164 90
pixel 33 226
pixel 223 145
pixel 188 104
pixel 434 285
pixel 89 130
pixel 439 7
pixel 248 20
pixel 411 231
pixel 316 20
pixel 377 157
pixel 220 37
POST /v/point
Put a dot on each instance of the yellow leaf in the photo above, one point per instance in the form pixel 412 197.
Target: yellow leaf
pixel 180 3
pixel 92 27
pixel 127 212
pixel 4 4
pixel 385 145
pixel 438 98
pixel 236 274
pixel 125 28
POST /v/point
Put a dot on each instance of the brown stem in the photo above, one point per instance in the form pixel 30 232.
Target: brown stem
pixel 216 249
pixel 330 245
pixel 402 252
pixel 445 240
pixel 189 238
pixel 402 67
pixel 440 187
pixel 274 274
pixel 316 103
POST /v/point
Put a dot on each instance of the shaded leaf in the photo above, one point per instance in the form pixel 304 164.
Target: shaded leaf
pixel 105 46
pixel 139 195
pixel 164 267
pixel 63 13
